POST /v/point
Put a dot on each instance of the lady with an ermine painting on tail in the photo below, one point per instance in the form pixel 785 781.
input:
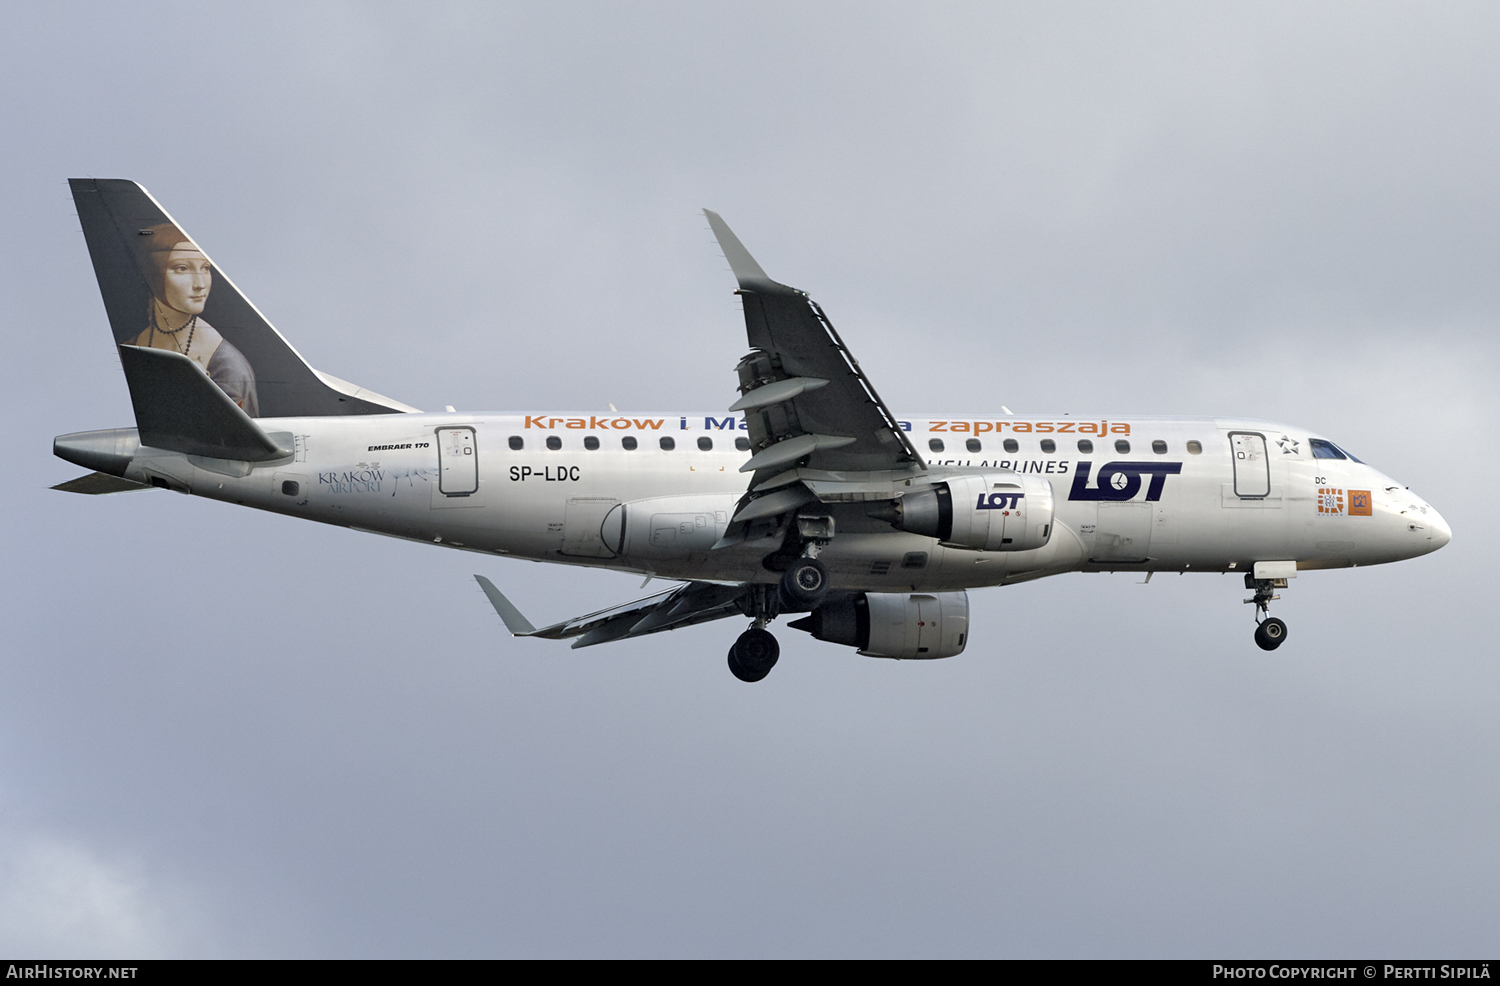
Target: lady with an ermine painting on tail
pixel 180 277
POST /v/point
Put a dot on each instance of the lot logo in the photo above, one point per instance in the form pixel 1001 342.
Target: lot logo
pixel 1122 480
pixel 999 501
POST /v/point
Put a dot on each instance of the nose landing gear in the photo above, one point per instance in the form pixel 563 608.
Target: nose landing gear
pixel 1270 632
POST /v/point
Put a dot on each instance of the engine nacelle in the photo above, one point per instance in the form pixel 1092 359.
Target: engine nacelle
pixel 668 526
pixel 903 625
pixel 993 512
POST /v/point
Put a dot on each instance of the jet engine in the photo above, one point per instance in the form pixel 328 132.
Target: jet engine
pixel 668 526
pixel 994 512
pixel 903 625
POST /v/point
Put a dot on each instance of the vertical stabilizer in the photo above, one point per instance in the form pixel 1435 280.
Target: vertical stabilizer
pixel 161 291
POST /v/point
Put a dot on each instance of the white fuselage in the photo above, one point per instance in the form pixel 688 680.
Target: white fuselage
pixel 1191 511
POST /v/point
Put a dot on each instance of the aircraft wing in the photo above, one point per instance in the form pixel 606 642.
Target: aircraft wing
pixel 806 401
pixel 681 606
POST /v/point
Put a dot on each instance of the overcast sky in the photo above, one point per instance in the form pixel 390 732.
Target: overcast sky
pixel 225 733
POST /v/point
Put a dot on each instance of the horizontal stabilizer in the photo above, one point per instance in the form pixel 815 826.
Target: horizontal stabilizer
pixel 97 483
pixel 178 408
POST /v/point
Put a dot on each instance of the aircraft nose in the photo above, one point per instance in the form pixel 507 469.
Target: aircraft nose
pixel 1441 532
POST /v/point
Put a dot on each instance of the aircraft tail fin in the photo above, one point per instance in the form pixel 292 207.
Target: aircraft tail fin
pixel 179 408
pixel 162 292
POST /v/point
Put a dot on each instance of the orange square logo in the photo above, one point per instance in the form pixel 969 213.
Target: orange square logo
pixel 1330 501
pixel 1359 503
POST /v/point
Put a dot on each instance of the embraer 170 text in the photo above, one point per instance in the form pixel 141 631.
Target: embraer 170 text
pixel 808 495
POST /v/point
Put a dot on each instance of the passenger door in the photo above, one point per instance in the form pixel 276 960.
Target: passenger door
pixel 458 462
pixel 1252 467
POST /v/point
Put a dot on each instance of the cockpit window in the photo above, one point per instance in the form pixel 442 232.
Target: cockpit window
pixel 1325 450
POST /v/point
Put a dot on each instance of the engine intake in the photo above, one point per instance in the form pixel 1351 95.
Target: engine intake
pixel 994 512
pixel 902 625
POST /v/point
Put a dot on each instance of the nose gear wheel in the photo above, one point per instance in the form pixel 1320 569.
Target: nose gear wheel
pixel 1270 632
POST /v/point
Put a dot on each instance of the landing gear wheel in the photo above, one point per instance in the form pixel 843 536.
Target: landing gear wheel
pixel 1270 634
pixel 803 586
pixel 753 655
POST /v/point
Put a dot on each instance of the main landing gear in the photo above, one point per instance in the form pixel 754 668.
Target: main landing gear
pixel 1270 632
pixel 803 585
pixel 754 654
pixel 802 589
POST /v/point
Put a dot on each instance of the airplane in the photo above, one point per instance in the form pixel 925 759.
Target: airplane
pixel 807 496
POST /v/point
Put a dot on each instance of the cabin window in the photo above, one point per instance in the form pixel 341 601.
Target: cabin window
pixel 936 444
pixel 667 443
pixel 1012 446
pixel 1195 448
pixel 1159 447
pixel 1049 446
pixel 973 445
pixel 1122 447
pixel 705 444
pixel 1325 450
pixel 517 443
pixel 914 559
pixel 554 443
pixel 742 443
pixel 290 487
pixel 628 443
pixel 1085 446
pixel 591 442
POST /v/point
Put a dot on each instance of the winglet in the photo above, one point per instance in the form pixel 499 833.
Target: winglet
pixel 518 625
pixel 746 270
